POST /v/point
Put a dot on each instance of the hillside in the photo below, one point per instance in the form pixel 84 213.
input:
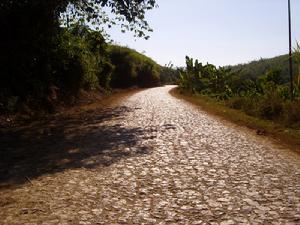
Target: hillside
pixel 257 68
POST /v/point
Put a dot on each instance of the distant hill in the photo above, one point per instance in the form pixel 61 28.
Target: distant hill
pixel 257 68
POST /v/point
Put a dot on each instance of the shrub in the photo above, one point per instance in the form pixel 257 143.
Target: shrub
pixel 77 60
pixel 169 75
pixel 270 109
pixel 291 115
pixel 75 65
pixel 105 75
pixel 235 102
pixel 132 68
pixel 148 74
pixel 265 96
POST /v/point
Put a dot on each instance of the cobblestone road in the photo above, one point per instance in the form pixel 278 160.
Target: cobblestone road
pixel 162 161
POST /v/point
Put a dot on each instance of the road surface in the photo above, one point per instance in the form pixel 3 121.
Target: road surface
pixel 155 159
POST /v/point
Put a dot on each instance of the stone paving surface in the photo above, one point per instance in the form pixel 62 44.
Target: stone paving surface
pixel 170 163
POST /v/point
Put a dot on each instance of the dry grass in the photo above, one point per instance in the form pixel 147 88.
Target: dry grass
pixel 287 136
pixel 88 102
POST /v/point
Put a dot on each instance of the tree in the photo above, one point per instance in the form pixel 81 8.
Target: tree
pixel 297 58
pixel 31 30
pixel 129 14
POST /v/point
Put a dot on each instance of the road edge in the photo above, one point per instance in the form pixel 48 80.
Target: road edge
pixel 276 132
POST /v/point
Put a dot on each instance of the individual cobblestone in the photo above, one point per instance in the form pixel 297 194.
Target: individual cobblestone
pixel 191 168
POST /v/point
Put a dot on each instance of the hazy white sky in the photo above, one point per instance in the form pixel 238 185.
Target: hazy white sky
pixel 221 32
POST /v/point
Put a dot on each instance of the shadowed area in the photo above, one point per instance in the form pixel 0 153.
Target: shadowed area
pixel 99 169
pixel 65 143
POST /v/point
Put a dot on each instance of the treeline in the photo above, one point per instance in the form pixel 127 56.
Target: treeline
pixel 169 74
pixel 48 54
pixel 265 95
pixel 81 60
pixel 256 68
pixel 132 68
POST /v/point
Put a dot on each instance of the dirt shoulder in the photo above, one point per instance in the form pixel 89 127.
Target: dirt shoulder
pixel 282 135
pixel 87 103
pixel 31 148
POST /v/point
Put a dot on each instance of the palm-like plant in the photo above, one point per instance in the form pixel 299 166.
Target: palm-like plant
pixel 297 58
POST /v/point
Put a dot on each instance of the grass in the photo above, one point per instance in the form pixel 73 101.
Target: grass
pixel 286 136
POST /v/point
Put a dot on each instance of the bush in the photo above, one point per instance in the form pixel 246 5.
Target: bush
pixel 105 75
pixel 235 102
pixel 169 75
pixel 77 60
pixel 250 105
pixel 148 74
pixel 266 108
pixel 291 115
pixel 86 49
pixel 124 74
pixel 265 96
pixel 270 109
pixel 132 68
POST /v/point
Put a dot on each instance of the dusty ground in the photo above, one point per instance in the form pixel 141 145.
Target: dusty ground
pixel 149 159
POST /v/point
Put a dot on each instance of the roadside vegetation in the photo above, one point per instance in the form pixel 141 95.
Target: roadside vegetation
pixel 256 94
pixel 49 53
pixel 169 74
pixel 132 68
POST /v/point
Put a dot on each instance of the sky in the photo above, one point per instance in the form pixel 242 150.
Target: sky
pixel 221 32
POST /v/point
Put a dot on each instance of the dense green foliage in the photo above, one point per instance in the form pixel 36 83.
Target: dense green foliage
pixel 77 61
pixel 265 95
pixel 84 61
pixel 169 75
pixel 129 14
pixel 254 69
pixel 132 68
pixel 297 59
pixel 42 62
pixel 81 61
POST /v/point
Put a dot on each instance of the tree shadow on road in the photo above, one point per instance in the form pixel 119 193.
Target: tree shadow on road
pixel 66 143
